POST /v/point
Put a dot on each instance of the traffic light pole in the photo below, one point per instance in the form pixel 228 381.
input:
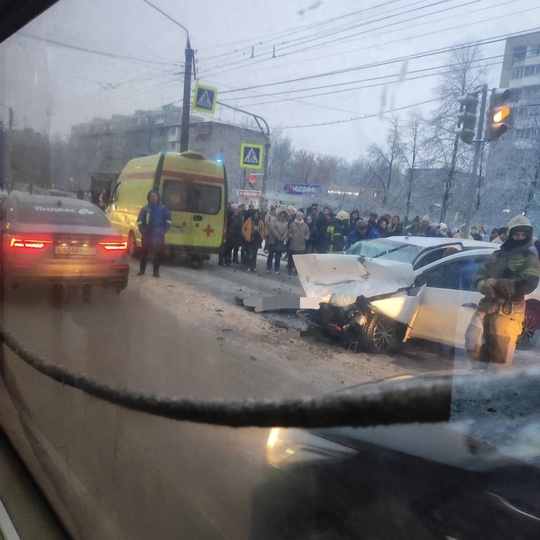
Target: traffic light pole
pixel 266 134
pixel 473 185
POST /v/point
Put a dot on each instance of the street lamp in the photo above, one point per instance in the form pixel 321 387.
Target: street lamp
pixel 189 61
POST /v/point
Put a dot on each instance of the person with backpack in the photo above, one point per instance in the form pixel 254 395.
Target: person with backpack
pixel 298 235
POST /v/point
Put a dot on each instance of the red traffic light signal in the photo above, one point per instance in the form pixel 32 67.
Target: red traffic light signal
pixel 498 113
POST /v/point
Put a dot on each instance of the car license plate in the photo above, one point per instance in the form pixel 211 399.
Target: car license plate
pixel 74 250
pixel 176 230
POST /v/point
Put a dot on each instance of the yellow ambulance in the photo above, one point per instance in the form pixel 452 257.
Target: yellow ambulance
pixel 192 187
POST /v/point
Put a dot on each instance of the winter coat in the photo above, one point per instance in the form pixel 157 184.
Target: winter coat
pixel 354 237
pixel 277 230
pixel 248 232
pixel 423 231
pixel 517 272
pixel 320 224
pixel 335 235
pixel 267 220
pixel 298 234
pixel 154 221
pixel 398 231
pixel 311 244
pixel 234 229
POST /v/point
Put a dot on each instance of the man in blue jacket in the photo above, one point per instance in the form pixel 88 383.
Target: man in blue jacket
pixel 154 221
pixel 363 231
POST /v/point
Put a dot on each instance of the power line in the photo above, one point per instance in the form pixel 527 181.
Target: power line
pixel 377 78
pixel 349 37
pixel 300 29
pixel 424 54
pixel 363 117
pixel 94 51
pixel 424 34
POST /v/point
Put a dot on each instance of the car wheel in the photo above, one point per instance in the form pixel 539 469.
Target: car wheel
pixel 133 250
pixel 382 335
pixel 529 337
pixel 196 262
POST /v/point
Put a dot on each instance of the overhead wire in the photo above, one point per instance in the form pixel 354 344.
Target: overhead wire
pixel 285 54
pixel 301 29
pixel 386 78
pixel 95 51
pixel 398 40
pixel 423 54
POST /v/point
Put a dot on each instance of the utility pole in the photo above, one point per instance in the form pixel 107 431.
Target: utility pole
pixel 473 184
pixel 184 127
pixel 8 177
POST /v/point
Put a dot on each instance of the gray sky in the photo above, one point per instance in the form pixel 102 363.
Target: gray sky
pixel 116 56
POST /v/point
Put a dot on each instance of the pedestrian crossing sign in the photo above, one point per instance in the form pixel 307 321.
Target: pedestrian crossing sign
pixel 204 98
pixel 251 156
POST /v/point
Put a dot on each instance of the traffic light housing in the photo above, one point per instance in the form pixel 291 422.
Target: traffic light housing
pixel 498 113
pixel 467 117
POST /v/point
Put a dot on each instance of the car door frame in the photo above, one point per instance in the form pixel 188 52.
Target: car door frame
pixel 444 313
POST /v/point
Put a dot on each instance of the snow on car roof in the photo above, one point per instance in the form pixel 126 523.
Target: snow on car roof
pixel 46 198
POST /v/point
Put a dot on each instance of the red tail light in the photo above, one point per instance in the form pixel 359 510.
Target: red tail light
pixel 114 246
pixel 28 243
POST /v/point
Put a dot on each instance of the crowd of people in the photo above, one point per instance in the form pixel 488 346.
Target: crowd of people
pixel 285 231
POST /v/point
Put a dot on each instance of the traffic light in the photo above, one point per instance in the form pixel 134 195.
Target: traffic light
pixel 498 113
pixel 467 117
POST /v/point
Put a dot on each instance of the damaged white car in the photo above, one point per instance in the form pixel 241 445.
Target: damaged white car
pixel 378 302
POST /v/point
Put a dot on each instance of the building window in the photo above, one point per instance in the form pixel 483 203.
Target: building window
pixel 516 94
pixel 520 53
pixel 517 73
pixel 529 71
pixel 172 132
pixel 534 50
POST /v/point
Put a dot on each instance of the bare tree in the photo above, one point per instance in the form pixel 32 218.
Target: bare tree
pixel 409 154
pixel 280 160
pixel 384 161
pixel 464 73
pixel 513 174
